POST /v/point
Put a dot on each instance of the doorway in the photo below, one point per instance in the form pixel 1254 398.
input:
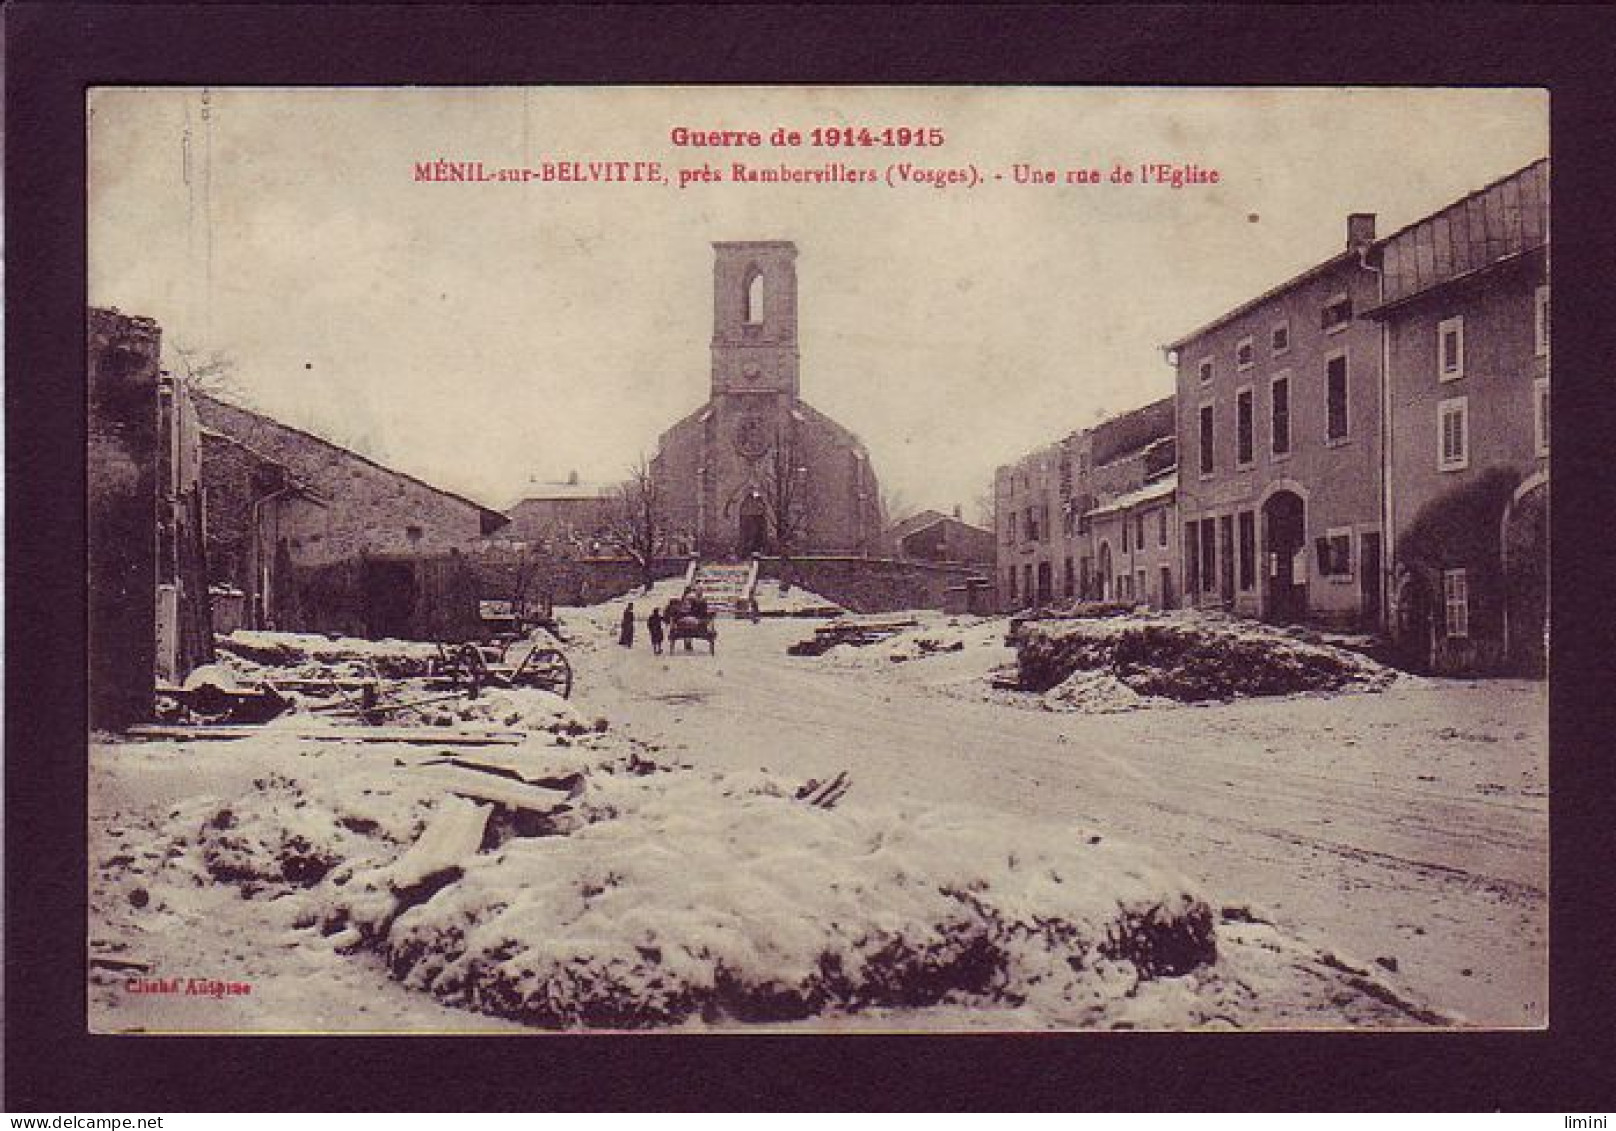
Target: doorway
pixel 389 594
pixel 1284 535
pixel 753 526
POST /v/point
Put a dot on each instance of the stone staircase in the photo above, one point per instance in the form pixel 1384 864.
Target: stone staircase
pixel 725 584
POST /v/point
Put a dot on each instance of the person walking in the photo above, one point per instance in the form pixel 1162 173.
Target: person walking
pixel 625 636
pixel 653 625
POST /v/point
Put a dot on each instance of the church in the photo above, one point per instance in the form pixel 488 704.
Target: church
pixel 757 470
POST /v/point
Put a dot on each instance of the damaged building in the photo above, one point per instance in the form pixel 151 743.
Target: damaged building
pixel 148 596
pixel 320 538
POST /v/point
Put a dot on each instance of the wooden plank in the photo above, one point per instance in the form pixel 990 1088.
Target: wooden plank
pixel 1459 224
pixel 502 791
pixel 417 736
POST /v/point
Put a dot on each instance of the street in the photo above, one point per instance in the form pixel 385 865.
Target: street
pixel 1408 826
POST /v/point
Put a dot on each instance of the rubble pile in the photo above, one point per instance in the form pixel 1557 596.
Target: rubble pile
pixel 1183 657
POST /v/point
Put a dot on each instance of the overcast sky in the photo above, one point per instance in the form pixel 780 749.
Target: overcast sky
pixel 484 335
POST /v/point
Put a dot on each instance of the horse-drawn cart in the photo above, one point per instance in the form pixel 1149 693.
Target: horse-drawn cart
pixel 687 626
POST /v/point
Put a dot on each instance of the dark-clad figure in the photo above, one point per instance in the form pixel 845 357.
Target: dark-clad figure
pixel 653 625
pixel 626 636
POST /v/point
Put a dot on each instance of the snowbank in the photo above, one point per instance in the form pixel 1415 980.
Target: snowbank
pixel 1181 656
pixel 722 897
pixel 259 650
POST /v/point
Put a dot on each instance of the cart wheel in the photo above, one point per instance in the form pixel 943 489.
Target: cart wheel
pixel 548 669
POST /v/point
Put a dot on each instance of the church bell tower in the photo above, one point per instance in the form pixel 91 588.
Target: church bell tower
pixel 755 318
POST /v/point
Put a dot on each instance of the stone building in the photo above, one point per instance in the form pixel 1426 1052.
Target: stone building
pixel 932 536
pixel 756 469
pixel 571 517
pixel 1279 442
pixel 1465 313
pixel 148 594
pixel 1131 531
pixel 1055 509
pixel 310 504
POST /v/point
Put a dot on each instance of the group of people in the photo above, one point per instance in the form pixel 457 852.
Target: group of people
pixel 660 623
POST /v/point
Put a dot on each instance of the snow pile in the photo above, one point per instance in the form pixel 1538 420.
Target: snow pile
pixel 1183 656
pixel 522 708
pixel 392 658
pixel 777 599
pixel 723 897
pixel 1097 692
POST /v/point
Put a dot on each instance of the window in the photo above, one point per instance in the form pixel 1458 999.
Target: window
pixel 1453 434
pixel 1243 427
pixel 1335 380
pixel 1124 534
pixel 1244 354
pixel 1010 584
pixel 754 298
pixel 1226 536
pixel 1070 579
pixel 1204 370
pixel 1279 339
pixel 1540 306
pixel 1206 439
pixel 1192 559
pixel 1456 603
pixel 1248 549
pixel 1280 415
pixel 1161 527
pixel 1335 553
pixel 1139 531
pixel 1337 314
pixel 1450 349
pixel 1209 553
pixel 1141 587
pixel 1540 414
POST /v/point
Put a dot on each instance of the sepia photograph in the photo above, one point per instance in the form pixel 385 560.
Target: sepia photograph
pixel 812 559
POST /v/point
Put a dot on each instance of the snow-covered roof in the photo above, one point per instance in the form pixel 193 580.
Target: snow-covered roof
pixel 1151 492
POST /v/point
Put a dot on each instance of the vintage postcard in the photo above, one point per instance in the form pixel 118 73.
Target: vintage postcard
pixel 824 559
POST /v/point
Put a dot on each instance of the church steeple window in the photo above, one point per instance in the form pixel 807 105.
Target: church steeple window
pixel 754 297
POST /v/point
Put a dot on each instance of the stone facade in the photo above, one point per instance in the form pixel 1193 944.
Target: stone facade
pixel 1279 448
pixel 148 615
pixel 1056 508
pixel 1465 312
pixel 756 469
pixel 345 508
pixel 934 537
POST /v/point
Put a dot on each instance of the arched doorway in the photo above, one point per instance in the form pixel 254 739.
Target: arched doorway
pixel 753 532
pixel 1524 554
pixel 1284 535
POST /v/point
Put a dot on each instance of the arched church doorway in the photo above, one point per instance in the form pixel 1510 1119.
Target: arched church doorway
pixel 1284 535
pixel 753 532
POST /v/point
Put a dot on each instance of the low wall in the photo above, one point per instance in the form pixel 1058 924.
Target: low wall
pixel 870 585
pixel 437 597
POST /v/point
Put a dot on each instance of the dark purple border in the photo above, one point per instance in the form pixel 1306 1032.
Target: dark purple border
pixel 53 52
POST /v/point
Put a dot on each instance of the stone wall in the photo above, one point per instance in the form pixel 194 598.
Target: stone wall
pixel 868 585
pixel 370 509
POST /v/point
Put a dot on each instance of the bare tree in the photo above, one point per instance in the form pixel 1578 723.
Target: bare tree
pixel 787 489
pixel 212 373
pixel 637 521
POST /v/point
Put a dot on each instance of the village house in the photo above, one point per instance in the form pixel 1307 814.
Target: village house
pixel 570 517
pixel 1465 312
pixel 1133 527
pixel 332 540
pixel 1279 448
pixel 148 594
pixel 1046 508
pixel 931 536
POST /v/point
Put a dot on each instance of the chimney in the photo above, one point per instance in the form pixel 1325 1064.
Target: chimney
pixel 572 479
pixel 956 511
pixel 1360 230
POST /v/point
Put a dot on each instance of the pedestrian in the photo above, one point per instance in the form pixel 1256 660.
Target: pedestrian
pixel 653 625
pixel 625 637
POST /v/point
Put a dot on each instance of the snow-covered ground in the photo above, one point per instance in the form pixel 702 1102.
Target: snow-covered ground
pixel 1357 859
